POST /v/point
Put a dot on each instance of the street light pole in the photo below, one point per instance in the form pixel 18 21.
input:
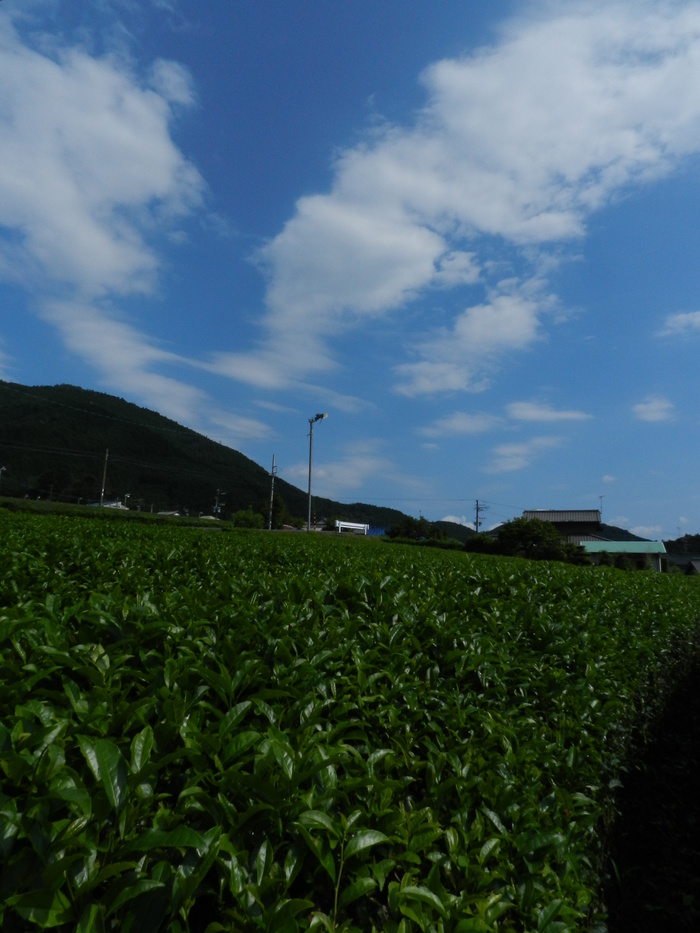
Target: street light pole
pixel 312 422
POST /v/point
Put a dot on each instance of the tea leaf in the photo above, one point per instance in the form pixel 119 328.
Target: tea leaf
pixel 357 889
pixel 364 840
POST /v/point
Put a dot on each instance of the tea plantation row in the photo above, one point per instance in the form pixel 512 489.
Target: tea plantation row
pixel 203 731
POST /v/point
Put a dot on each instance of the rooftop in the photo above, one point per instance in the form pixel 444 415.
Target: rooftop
pixel 554 515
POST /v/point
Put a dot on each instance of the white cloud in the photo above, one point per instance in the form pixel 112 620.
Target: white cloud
pixel 87 166
pixel 609 479
pixel 124 356
pixel 461 423
pixel 682 323
pixel 535 411
pixel 354 467
pixel 344 475
pixel 523 141
pixel 459 520
pixel 172 82
pixel 4 365
pixel 284 360
pixel 619 521
pixel 90 178
pixel 647 531
pixel 508 458
pixel 456 268
pixel 654 408
pixel 236 427
pixel 458 358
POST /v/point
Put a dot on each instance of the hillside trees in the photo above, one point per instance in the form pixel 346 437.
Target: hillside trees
pixel 530 538
pixel 415 529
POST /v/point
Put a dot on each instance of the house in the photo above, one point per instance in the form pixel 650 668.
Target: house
pixel 574 525
pixel 583 527
pixel 644 554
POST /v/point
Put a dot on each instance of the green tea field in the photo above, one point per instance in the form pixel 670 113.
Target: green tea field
pixel 216 731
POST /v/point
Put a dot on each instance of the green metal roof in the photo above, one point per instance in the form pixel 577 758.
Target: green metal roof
pixel 624 547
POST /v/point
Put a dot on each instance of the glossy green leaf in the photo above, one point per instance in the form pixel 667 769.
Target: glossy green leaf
pixel 46 909
pixel 356 890
pixel 141 748
pixel 425 896
pixel 364 839
pixel 129 892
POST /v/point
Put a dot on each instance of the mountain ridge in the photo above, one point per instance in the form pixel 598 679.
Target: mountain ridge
pixel 59 441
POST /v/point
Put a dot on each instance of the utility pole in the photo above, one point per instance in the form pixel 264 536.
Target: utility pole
pixel 273 472
pixel 104 478
pixel 479 509
pixel 217 504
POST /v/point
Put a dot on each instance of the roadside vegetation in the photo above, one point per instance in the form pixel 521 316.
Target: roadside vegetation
pixel 252 731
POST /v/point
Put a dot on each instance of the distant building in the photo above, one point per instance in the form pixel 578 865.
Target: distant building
pixel 583 527
pixel 576 526
pixel 645 554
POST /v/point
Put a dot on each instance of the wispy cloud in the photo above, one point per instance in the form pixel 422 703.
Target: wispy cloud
pixel 124 356
pixel 461 423
pixel 536 411
pixel 507 458
pixel 681 324
pixel 351 470
pixel 464 423
pixel 4 364
pixel 459 358
pixel 647 531
pixel 654 408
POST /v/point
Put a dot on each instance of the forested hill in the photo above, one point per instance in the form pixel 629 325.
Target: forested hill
pixel 53 442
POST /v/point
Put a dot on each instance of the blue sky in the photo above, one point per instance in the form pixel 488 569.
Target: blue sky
pixel 468 232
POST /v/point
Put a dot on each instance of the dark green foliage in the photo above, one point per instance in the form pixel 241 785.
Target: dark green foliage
pixel 613 533
pixel 530 538
pixel 233 732
pixel 53 441
pixel 456 532
pixel 415 529
pixel 482 544
pixel 247 518
pixel 688 544
pixel 655 843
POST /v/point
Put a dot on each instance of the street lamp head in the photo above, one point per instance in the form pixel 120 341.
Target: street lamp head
pixel 319 417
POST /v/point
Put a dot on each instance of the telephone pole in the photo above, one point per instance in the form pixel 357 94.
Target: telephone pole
pixel 104 478
pixel 479 509
pixel 218 504
pixel 273 473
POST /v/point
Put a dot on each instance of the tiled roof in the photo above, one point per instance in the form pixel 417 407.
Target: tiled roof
pixel 552 515
pixel 579 539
